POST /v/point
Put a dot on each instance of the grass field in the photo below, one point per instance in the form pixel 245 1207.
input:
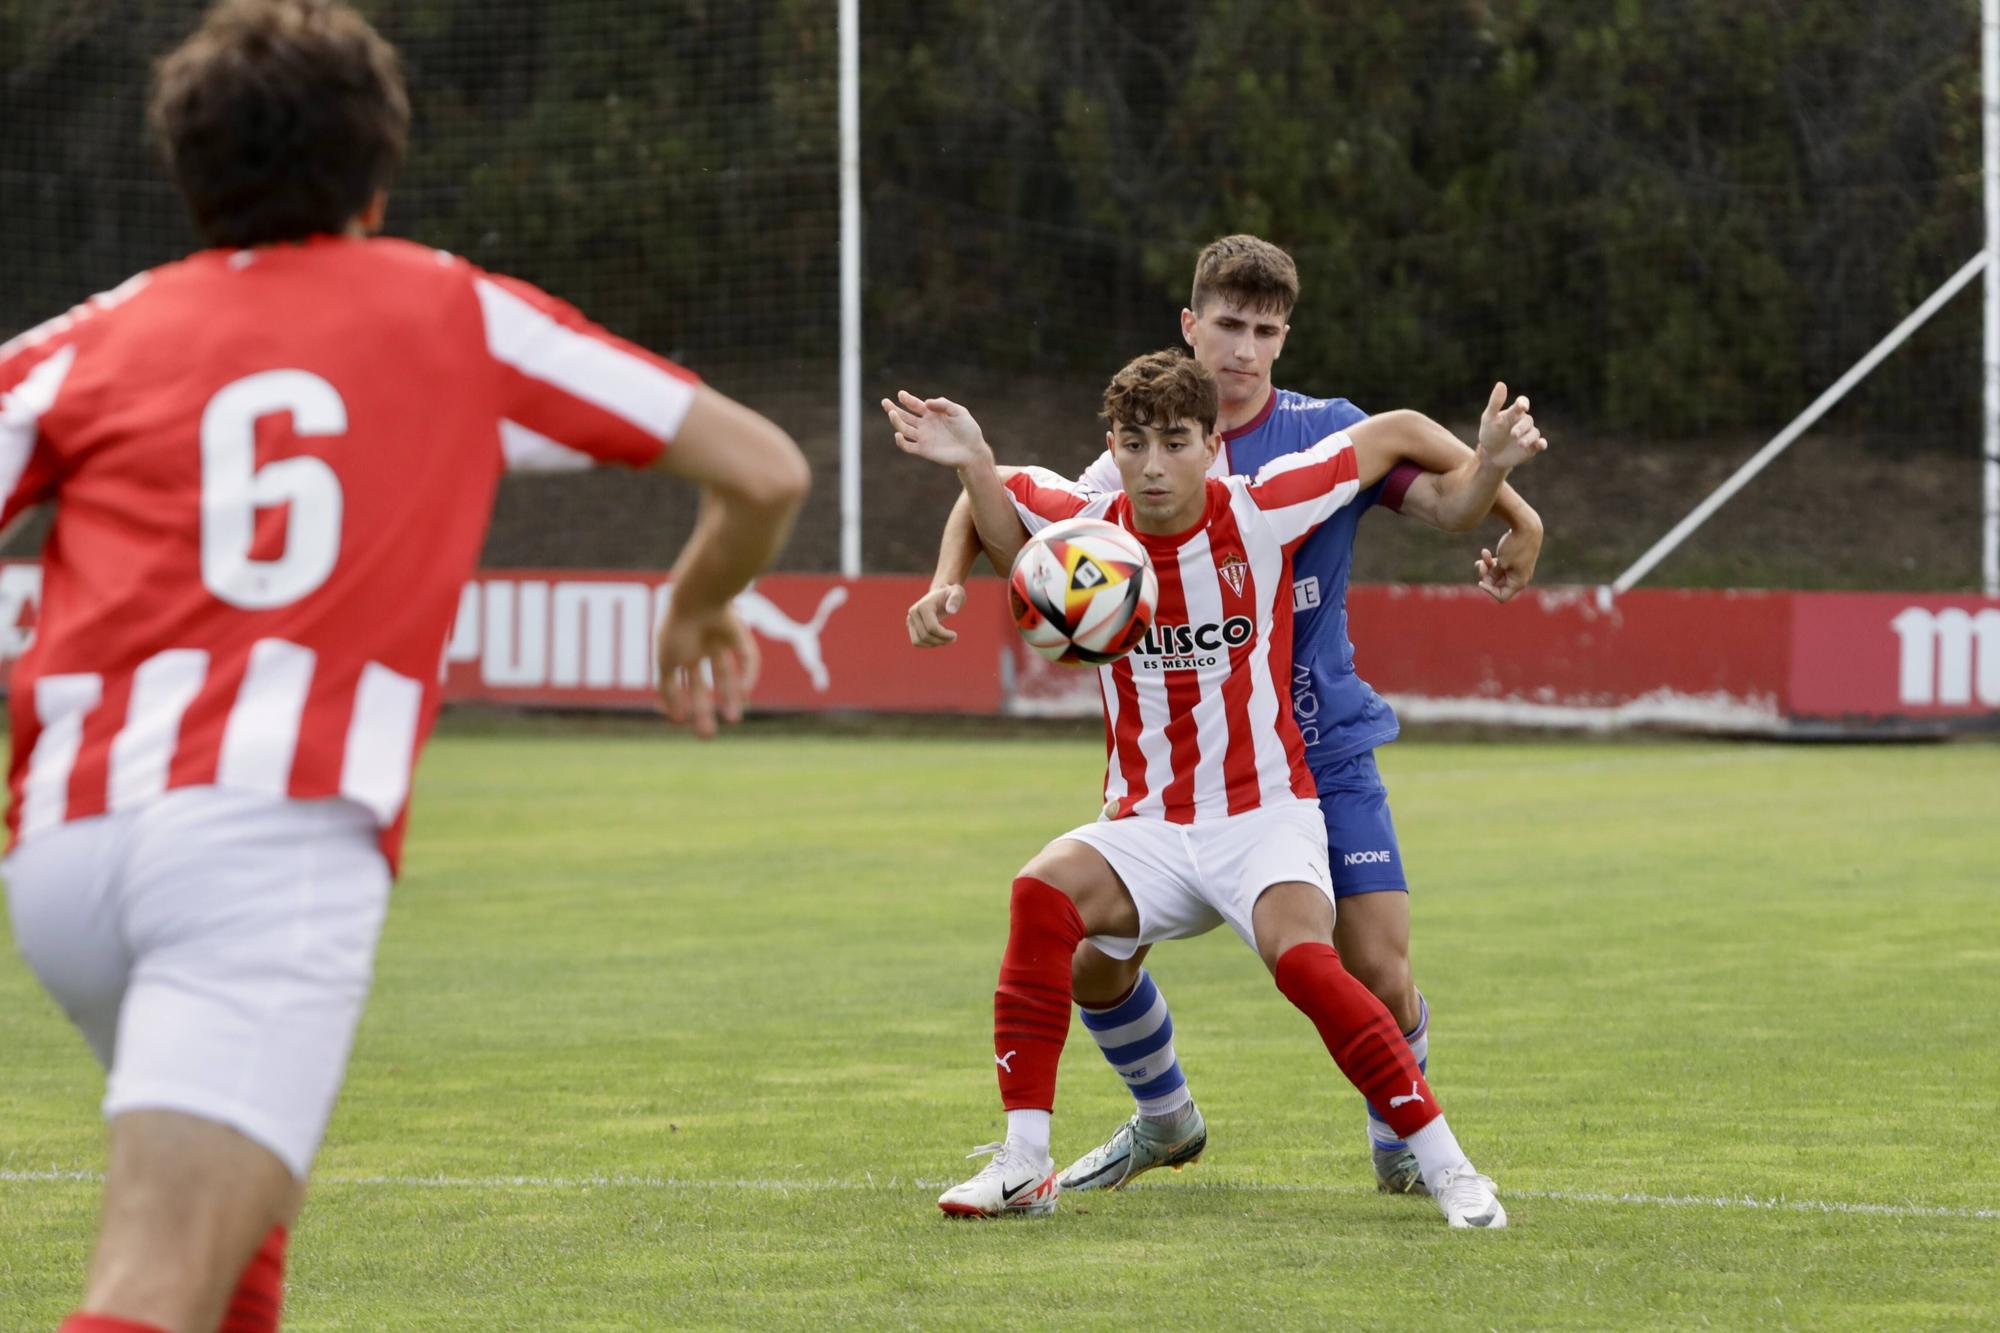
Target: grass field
pixel 669 1037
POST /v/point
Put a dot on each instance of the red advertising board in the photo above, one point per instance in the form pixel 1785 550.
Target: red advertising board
pixel 584 639
pixel 1715 660
pixel 1880 655
pixel 1568 648
pixel 1702 660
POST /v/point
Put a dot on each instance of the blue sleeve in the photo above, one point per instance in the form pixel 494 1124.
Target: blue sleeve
pixel 1340 414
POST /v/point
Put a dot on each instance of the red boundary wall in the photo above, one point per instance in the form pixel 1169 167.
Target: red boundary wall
pixel 1713 660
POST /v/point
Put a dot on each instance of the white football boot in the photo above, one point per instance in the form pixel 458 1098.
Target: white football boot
pixel 1466 1199
pixel 1136 1147
pixel 1011 1185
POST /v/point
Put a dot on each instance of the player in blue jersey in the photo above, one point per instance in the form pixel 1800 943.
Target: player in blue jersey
pixel 1243 294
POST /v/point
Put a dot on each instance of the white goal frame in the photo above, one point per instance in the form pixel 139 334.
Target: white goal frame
pixel 1990 432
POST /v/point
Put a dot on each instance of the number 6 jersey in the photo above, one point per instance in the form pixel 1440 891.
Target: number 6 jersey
pixel 272 472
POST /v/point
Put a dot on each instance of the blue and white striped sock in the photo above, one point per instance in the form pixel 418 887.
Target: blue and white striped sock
pixel 1137 1038
pixel 1380 1136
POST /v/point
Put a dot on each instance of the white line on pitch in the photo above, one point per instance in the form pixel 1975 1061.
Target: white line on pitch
pixel 898 1183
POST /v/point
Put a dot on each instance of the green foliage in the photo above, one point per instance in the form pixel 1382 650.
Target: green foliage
pixel 1670 217
pixel 1667 217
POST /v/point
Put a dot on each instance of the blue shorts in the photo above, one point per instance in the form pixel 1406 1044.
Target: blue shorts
pixel 1362 851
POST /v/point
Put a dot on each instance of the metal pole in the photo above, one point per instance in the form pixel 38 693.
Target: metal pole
pixel 1664 547
pixel 850 287
pixel 1990 126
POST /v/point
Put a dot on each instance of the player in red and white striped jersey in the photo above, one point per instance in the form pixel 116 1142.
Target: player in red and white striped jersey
pixel 272 465
pixel 1209 813
pixel 1199 716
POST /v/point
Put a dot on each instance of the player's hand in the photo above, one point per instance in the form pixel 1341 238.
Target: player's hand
pixel 708 666
pixel 926 617
pixel 1510 566
pixel 1508 436
pixel 936 429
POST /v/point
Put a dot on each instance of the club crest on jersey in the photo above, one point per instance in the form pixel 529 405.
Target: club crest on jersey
pixel 1234 571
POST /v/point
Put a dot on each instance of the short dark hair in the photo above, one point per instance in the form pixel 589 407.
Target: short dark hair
pixel 1160 388
pixel 1249 270
pixel 280 119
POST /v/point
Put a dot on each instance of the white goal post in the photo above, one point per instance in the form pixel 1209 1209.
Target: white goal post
pixel 1989 104
pixel 850 288
pixel 1990 414
pixel 1784 439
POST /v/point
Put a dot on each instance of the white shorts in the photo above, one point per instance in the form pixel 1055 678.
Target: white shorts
pixel 215 948
pixel 1187 879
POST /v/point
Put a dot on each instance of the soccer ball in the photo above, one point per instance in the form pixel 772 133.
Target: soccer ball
pixel 1082 592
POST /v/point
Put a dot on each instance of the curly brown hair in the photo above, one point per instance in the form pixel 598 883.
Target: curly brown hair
pixel 1160 388
pixel 280 119
pixel 1248 270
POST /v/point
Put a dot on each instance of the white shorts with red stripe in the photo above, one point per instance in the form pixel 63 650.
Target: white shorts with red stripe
pixel 1187 879
pixel 215 948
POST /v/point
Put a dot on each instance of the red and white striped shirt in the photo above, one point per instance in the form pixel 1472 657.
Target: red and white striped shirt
pixel 1198 719
pixel 273 471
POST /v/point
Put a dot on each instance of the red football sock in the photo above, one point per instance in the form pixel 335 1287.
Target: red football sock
pixel 260 1293
pixel 1357 1029
pixel 104 1323
pixel 1031 1006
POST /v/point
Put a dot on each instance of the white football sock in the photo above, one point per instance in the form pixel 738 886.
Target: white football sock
pixel 1437 1151
pixel 1028 1131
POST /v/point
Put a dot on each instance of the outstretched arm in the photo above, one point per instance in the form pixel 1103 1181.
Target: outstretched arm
pixel 940 431
pixel 959 550
pixel 1470 480
pixel 965 541
pixel 1432 498
pixel 1507 567
pixel 752 479
pixel 1438 498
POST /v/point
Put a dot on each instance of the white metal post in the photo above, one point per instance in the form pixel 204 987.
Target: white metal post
pixel 850 287
pixel 1820 406
pixel 1990 126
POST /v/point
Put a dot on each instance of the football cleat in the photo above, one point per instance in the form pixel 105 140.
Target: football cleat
pixel 1011 1185
pixel 1136 1147
pixel 1466 1199
pixel 1396 1171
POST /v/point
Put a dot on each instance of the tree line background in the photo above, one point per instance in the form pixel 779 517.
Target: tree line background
pixel 1677 219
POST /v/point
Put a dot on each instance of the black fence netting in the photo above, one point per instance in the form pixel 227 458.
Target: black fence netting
pixel 1673 223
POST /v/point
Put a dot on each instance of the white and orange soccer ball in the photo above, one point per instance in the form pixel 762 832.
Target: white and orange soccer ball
pixel 1083 592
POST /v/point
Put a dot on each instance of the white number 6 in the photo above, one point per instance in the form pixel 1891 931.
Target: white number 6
pixel 234 488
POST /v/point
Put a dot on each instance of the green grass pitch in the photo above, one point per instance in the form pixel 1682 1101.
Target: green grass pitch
pixel 678 1036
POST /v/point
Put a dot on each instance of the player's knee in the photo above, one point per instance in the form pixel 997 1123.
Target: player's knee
pixel 1084 877
pixel 1278 936
pixel 1272 948
pixel 1097 980
pixel 1384 970
pixel 1288 915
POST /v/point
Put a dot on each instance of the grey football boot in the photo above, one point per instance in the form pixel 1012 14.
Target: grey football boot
pixel 1396 1170
pixel 1136 1147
